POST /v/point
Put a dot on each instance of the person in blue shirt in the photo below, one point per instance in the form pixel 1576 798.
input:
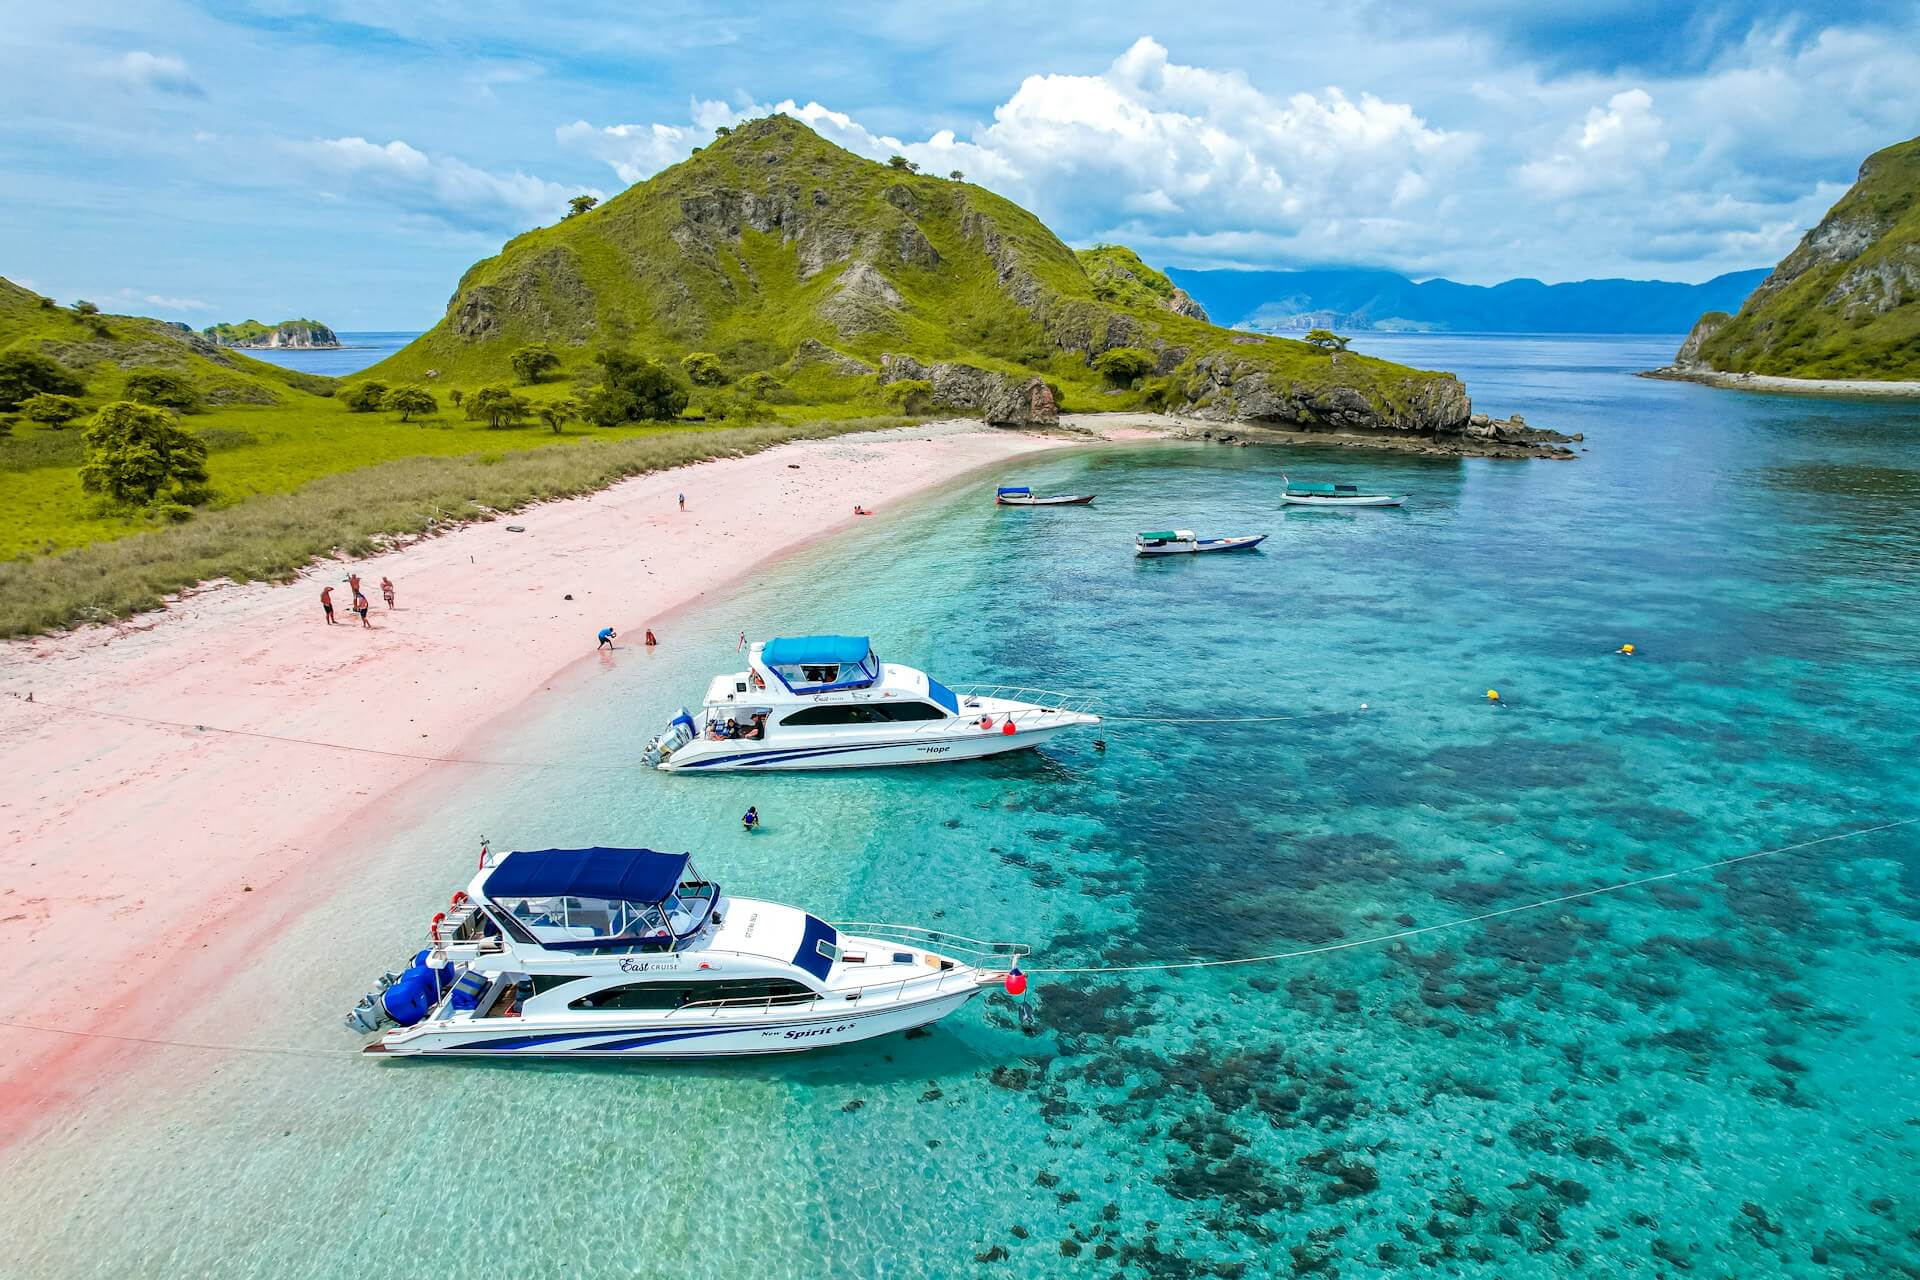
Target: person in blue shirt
pixel 606 638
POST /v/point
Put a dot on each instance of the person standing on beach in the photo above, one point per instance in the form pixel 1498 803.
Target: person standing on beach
pixel 606 638
pixel 386 589
pixel 360 607
pixel 353 583
pixel 326 602
pixel 650 640
pixel 683 502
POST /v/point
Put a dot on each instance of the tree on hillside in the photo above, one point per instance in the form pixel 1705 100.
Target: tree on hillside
pixel 85 308
pixel 634 388
pixel 456 396
pixel 910 395
pixel 496 406
pixel 364 397
pixel 531 362
pixel 50 410
pixel 24 374
pixel 1121 365
pixel 1327 340
pixel 723 132
pixel 164 388
pixel 134 451
pixel 957 176
pixel 703 367
pixel 407 401
pixel 901 162
pixel 580 204
pixel 558 413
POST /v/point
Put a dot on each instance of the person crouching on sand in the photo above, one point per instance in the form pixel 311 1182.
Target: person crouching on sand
pixel 606 638
pixel 326 602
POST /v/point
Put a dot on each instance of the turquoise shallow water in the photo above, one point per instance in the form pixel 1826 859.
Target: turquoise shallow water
pixel 1709 1076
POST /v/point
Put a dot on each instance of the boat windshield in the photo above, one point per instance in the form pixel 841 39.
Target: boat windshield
pixel 590 924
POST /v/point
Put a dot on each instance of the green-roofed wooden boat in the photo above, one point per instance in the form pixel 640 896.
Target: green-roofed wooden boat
pixel 1335 495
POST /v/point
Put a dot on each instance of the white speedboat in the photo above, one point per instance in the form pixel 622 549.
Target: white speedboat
pixel 828 702
pixel 629 953
pixel 1335 495
pixel 1182 542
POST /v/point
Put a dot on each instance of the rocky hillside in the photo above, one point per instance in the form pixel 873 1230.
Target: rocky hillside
pixel 781 253
pixel 1846 302
pixel 103 349
pixel 296 334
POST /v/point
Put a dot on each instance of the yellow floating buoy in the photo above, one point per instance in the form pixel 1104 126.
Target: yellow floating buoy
pixel 1626 649
pixel 1493 695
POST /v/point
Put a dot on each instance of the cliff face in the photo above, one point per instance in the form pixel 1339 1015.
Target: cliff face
pixel 775 250
pixel 251 334
pixel 1846 302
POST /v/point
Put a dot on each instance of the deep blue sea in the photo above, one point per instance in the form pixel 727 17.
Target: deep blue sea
pixel 1710 1075
pixel 356 352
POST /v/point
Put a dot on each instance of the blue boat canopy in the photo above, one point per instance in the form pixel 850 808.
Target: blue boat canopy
pixel 812 651
pixel 1021 489
pixel 626 875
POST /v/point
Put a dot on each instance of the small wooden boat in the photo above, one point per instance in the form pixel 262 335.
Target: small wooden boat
pixel 1335 495
pixel 1181 542
pixel 1021 496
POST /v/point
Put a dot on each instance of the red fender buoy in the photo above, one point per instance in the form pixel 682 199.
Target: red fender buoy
pixel 434 927
pixel 1016 982
pixel 1007 728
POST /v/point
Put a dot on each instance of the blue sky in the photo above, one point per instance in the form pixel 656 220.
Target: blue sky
pixel 348 160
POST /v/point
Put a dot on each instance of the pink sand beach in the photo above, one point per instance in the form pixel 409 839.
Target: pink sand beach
pixel 143 855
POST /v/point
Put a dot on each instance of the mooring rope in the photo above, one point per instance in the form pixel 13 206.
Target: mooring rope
pixel 1304 715
pixel 179 1044
pixel 1463 921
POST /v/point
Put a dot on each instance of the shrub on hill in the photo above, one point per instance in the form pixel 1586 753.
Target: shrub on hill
pixel 633 388
pixel 910 395
pixel 497 406
pixel 533 361
pixel 703 367
pixel 163 388
pixel 25 374
pixel 407 401
pixel 135 451
pixel 50 410
pixel 1121 365
pixel 365 397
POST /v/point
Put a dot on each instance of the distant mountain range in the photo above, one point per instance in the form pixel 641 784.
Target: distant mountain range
pixel 1360 298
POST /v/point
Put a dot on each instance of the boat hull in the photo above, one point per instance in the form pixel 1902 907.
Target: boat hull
pixel 672 1037
pixel 1201 547
pixel 1362 500
pixel 707 756
pixel 1045 502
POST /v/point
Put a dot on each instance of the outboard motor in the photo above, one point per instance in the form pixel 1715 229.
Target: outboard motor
pixel 680 732
pixel 402 999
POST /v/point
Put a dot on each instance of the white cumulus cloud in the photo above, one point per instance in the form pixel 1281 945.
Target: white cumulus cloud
pixel 443 188
pixel 1614 146
pixel 155 72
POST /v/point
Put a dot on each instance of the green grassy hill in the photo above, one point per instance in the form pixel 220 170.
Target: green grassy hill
pixel 779 252
pixel 1846 302
pixel 288 333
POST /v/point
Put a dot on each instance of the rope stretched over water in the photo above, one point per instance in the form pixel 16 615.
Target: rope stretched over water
pixel 1305 715
pixel 1463 921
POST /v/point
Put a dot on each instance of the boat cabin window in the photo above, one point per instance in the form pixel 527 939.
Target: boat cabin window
pixel 864 713
pixel 820 675
pixel 670 991
pixel 588 924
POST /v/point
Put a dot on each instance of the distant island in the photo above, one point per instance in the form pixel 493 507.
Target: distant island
pixel 297 334
pixel 1842 311
pixel 1359 298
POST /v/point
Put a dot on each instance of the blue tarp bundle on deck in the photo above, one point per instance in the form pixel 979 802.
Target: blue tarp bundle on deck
pixel 1022 489
pixel 628 875
pixel 815 651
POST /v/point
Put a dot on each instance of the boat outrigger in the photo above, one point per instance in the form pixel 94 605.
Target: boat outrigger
pixel 1182 542
pixel 630 953
pixel 1021 496
pixel 1335 495
pixel 828 702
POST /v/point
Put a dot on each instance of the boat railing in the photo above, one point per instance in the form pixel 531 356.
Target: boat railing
pixel 1044 701
pixel 913 935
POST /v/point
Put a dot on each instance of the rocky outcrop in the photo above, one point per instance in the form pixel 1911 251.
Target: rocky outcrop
pixel 545 294
pixel 1703 329
pixel 1005 400
pixel 1182 304
pixel 863 301
pixel 251 335
pixel 1226 388
pixel 815 352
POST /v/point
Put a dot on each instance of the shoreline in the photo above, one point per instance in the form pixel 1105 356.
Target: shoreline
pixel 1532 443
pixel 131 824
pixel 1855 388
